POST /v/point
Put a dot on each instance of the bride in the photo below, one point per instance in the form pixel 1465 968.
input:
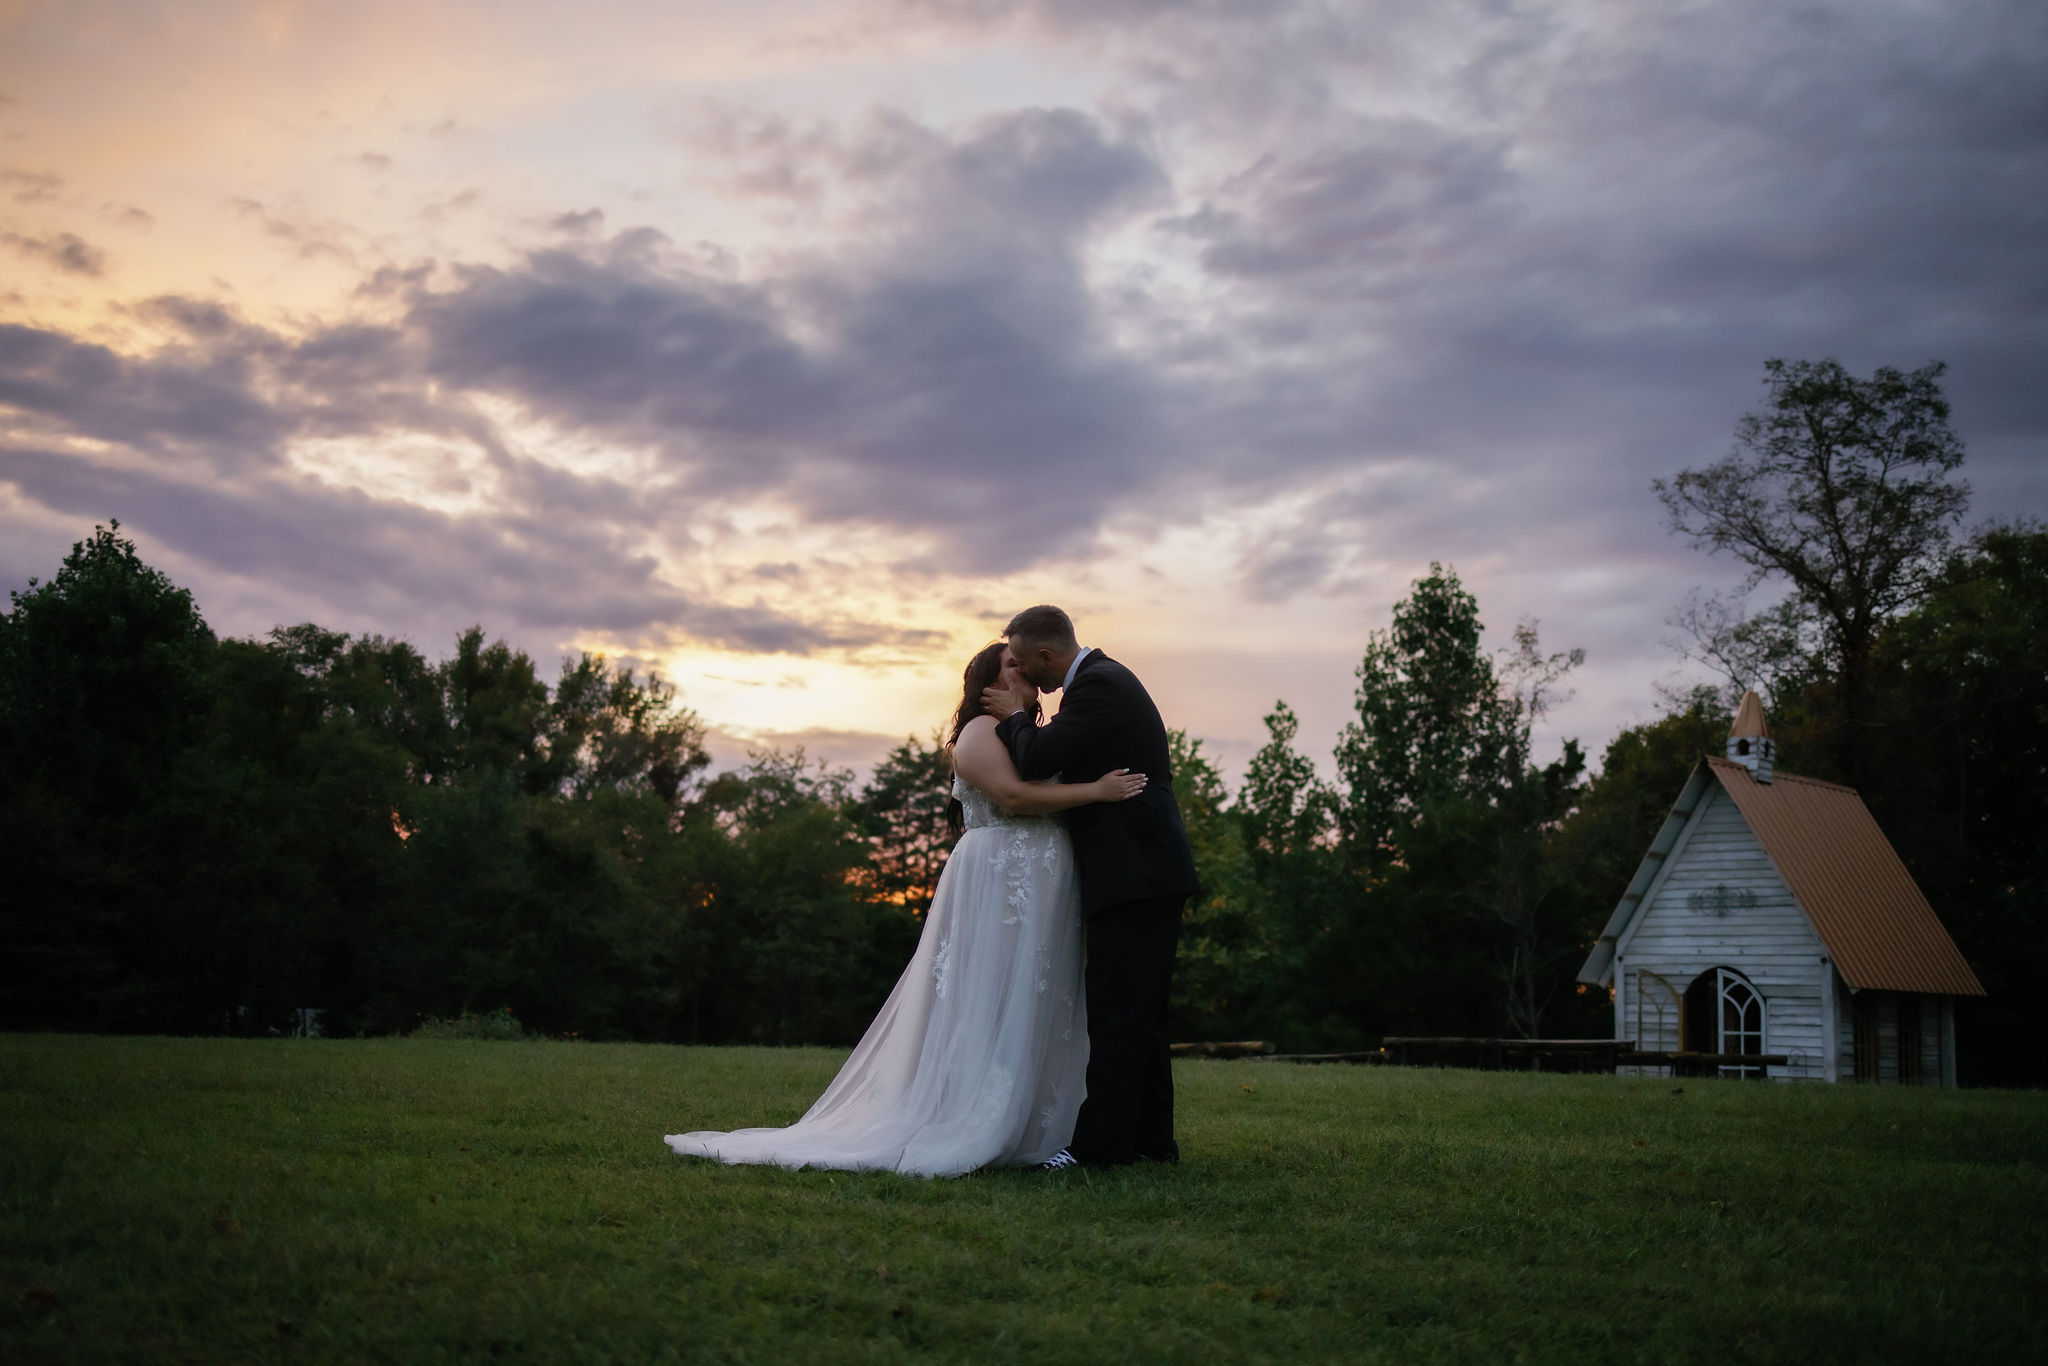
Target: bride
pixel 979 1056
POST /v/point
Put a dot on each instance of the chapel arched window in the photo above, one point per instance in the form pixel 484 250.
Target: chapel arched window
pixel 1741 1020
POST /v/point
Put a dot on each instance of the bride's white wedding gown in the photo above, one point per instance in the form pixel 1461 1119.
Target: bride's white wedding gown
pixel 979 1057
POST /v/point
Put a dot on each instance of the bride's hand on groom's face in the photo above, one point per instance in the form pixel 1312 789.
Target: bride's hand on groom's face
pixel 1002 703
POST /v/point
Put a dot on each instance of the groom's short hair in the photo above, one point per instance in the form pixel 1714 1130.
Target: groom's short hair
pixel 1042 625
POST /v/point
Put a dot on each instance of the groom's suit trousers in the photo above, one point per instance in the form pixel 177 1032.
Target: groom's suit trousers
pixel 1128 1114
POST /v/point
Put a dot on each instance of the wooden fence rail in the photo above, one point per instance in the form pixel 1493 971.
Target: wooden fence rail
pixel 1247 1048
pixel 1699 1064
pixel 1499 1055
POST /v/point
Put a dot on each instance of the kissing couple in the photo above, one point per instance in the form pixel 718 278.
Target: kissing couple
pixel 1030 1028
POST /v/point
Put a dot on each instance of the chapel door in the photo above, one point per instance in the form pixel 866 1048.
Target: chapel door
pixel 1696 1032
pixel 1723 1013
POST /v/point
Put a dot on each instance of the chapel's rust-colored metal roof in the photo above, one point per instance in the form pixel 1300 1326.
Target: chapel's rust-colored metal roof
pixel 1863 903
pixel 1749 718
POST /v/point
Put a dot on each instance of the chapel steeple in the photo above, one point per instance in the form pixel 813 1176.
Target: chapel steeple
pixel 1749 739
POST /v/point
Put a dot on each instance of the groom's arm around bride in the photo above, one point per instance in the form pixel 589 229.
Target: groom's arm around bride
pixel 1127 850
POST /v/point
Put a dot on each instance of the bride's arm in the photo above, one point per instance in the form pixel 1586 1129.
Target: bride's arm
pixel 981 759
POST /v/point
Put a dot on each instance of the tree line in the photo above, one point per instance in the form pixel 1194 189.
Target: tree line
pixel 206 834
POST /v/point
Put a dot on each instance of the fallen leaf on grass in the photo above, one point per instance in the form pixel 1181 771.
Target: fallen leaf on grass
pixel 227 1225
pixel 1221 1288
pixel 1270 1294
pixel 881 1273
pixel 1247 1089
pixel 1639 1143
pixel 37 1298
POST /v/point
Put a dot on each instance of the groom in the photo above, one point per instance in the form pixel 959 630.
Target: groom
pixel 1136 875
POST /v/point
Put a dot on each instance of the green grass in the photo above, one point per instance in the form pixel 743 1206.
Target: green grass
pixel 171 1200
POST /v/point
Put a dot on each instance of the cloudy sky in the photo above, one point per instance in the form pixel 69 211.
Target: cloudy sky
pixel 789 346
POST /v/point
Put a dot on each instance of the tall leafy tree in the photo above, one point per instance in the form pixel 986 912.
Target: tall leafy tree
pixel 1429 723
pixel 607 731
pixel 1287 810
pixel 103 689
pixel 902 812
pixel 1445 818
pixel 1287 817
pixel 1841 489
pixel 497 710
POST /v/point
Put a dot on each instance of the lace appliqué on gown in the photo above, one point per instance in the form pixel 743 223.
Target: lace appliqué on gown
pixel 942 966
pixel 979 1057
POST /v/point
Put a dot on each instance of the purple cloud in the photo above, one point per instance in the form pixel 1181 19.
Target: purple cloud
pixel 64 251
pixel 1456 282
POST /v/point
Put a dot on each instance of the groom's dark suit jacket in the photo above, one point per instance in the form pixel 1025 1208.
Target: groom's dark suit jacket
pixel 1125 851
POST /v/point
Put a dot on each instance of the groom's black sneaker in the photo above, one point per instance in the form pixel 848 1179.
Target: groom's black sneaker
pixel 1063 1160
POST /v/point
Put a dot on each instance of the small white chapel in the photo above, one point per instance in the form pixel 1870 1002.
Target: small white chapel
pixel 1771 916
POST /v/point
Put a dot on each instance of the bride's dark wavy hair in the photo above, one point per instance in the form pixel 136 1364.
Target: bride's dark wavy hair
pixel 982 671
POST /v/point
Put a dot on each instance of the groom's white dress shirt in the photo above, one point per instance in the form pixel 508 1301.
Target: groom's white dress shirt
pixel 1074 668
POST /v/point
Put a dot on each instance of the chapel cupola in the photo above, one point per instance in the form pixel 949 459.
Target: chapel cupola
pixel 1749 739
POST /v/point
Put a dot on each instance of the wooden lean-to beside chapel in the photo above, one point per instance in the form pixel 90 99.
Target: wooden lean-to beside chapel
pixel 1772 916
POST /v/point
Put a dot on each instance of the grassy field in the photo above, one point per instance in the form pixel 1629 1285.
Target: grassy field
pixel 172 1200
